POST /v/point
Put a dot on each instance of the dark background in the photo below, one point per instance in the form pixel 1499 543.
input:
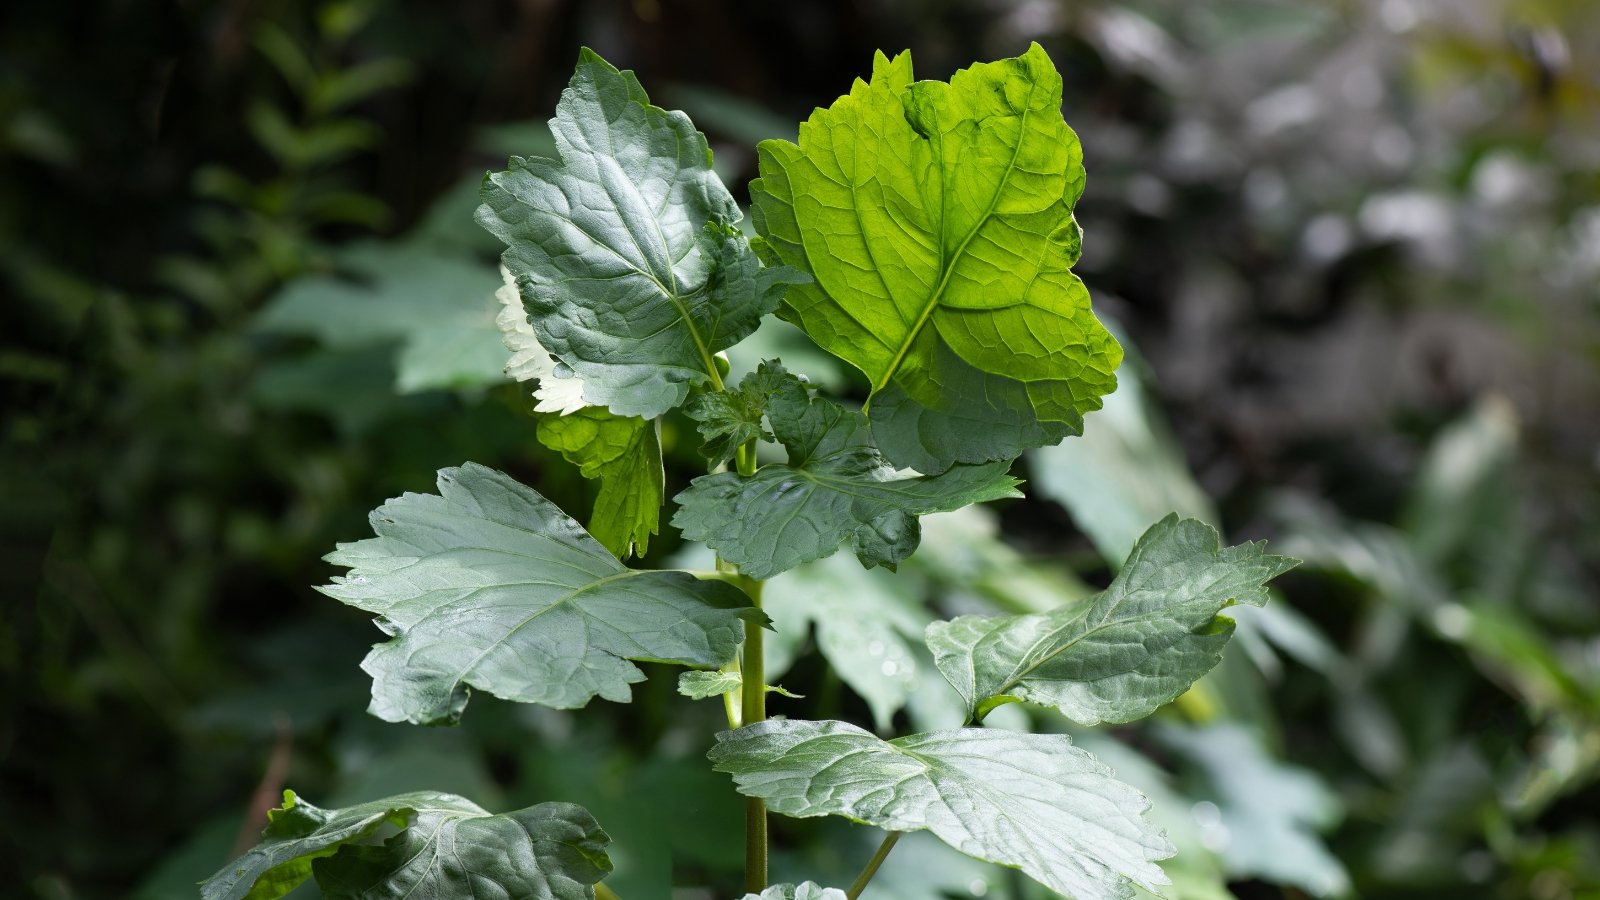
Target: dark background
pixel 1357 244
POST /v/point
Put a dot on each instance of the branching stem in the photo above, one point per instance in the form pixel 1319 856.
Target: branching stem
pixel 877 859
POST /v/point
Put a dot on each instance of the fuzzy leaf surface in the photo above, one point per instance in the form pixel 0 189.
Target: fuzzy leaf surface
pixel 936 221
pixel 487 585
pixel 1120 655
pixel 835 488
pixel 447 847
pixel 625 248
pixel 1030 801
pixel 624 453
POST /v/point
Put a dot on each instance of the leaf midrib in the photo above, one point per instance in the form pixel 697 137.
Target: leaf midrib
pixel 1020 674
pixel 955 259
pixel 468 669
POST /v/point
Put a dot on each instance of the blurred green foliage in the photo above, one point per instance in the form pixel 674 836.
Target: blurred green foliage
pixel 1358 245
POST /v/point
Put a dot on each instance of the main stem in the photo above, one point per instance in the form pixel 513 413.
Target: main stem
pixel 753 709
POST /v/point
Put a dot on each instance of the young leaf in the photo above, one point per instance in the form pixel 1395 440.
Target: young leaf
pixel 936 220
pixel 1030 801
pixel 625 454
pixel 488 585
pixel 809 890
pixel 731 417
pixel 1131 648
pixel 699 685
pixel 703 685
pixel 447 847
pixel 625 248
pixel 834 488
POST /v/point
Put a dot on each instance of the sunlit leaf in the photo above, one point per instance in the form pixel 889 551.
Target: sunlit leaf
pixel 1031 801
pixel 625 455
pixel 937 222
pixel 625 249
pixel 488 586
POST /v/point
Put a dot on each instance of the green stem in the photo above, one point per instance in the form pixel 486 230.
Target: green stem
pixel 601 892
pixel 744 459
pixel 872 865
pixel 753 707
pixel 753 698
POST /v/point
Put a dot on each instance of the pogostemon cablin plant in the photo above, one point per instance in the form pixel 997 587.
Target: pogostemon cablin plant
pixel 923 231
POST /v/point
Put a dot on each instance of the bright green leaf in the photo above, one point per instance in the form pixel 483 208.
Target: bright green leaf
pixel 625 454
pixel 1135 646
pixel 809 890
pixel 835 488
pixel 936 220
pixel 447 847
pixel 488 585
pixel 1030 801
pixel 625 249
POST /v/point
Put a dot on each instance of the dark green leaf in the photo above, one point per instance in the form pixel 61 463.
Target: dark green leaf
pixel 488 585
pixel 625 454
pixel 447 847
pixel 834 488
pixel 937 222
pixel 1031 801
pixel 729 418
pixel 625 249
pixel 1135 646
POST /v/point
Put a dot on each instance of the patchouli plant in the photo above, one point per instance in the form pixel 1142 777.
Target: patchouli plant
pixel 922 231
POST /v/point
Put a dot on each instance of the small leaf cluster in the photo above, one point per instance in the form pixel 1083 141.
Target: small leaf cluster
pixel 921 231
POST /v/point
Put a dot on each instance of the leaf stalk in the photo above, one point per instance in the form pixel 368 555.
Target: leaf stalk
pixel 877 859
